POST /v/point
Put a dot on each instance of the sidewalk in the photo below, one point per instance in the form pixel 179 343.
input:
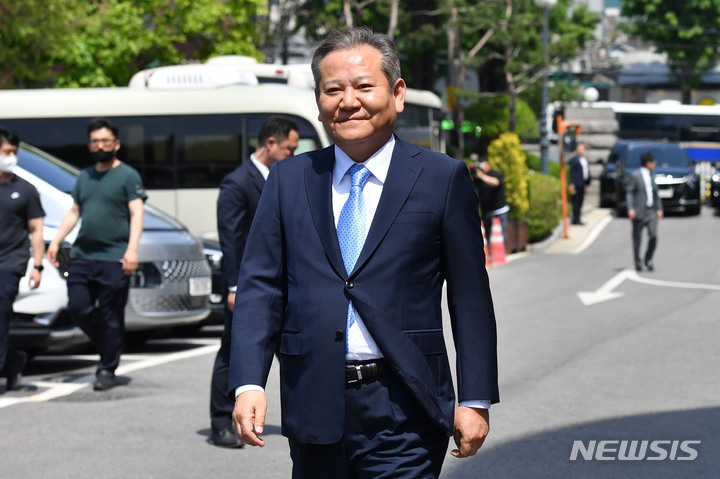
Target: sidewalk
pixel 579 237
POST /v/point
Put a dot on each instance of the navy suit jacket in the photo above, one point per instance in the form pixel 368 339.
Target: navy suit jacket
pixel 576 173
pixel 294 290
pixel 237 202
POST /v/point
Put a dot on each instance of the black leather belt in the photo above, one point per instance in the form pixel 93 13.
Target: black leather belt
pixel 364 370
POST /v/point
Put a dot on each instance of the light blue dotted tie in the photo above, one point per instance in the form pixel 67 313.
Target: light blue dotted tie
pixel 351 227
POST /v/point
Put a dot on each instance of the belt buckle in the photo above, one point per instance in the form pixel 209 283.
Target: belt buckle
pixel 358 370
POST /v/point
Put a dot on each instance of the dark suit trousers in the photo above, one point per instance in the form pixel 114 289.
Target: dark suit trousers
pixel 221 403
pixel 387 435
pixel 649 221
pixel 104 283
pixel 577 203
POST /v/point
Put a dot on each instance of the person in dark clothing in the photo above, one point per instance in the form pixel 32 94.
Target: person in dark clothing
pixel 645 209
pixel 238 199
pixel 491 193
pixel 21 227
pixel 579 182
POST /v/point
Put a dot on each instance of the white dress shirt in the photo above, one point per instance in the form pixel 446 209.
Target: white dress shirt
pixel 264 170
pixel 648 186
pixel 585 167
pixel 361 345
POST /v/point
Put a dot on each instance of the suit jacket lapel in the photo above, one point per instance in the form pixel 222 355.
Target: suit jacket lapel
pixel 318 185
pixel 405 167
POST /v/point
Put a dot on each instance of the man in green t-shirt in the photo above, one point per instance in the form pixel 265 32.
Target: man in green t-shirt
pixel 109 198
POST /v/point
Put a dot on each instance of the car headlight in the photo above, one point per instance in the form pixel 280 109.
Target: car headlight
pixel 147 275
pixel 214 259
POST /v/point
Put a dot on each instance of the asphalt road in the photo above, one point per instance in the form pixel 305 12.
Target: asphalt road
pixel 634 357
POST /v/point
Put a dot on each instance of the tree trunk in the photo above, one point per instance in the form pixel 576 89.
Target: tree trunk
pixel 512 126
pixel 393 19
pixel 685 91
pixel 347 12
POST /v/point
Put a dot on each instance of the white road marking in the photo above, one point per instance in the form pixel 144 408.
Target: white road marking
pixel 56 390
pixel 592 236
pixel 606 291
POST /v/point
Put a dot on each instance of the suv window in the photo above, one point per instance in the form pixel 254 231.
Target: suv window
pixel 672 157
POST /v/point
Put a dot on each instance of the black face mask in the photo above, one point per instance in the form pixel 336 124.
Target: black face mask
pixel 102 156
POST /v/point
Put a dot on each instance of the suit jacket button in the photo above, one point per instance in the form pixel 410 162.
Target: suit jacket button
pixel 349 284
pixel 339 334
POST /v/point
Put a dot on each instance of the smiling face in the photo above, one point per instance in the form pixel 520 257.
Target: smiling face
pixel 357 104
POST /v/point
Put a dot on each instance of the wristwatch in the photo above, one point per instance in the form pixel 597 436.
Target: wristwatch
pixel 39 267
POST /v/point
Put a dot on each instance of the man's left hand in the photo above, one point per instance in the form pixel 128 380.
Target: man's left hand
pixel 471 428
pixel 129 262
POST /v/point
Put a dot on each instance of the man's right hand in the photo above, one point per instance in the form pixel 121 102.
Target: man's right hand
pixel 631 214
pixel 249 417
pixel 52 252
pixel 231 300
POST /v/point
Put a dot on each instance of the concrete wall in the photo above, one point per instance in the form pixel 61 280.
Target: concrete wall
pixel 599 130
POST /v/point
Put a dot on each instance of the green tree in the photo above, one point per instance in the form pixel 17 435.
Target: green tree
pixel 689 35
pixel 493 115
pixel 517 44
pixel 104 42
pixel 414 26
pixel 31 31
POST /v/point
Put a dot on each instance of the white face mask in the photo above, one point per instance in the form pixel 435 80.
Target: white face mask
pixel 8 163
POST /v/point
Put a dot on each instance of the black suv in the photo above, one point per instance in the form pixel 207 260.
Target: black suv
pixel 678 184
pixel 715 189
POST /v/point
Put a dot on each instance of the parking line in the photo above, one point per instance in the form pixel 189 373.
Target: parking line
pixel 57 390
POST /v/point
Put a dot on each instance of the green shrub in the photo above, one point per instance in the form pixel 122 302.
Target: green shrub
pixel 533 163
pixel 545 210
pixel 506 156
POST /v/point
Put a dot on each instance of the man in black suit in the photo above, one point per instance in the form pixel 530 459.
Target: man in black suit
pixel 644 209
pixel 579 182
pixel 344 279
pixel 236 205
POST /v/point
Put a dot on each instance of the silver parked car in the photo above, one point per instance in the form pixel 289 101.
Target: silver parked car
pixel 170 288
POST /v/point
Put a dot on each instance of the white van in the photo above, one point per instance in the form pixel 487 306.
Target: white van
pixel 170 288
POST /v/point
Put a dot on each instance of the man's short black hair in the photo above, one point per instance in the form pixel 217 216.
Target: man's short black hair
pixel 278 127
pixel 100 123
pixel 9 136
pixel 646 158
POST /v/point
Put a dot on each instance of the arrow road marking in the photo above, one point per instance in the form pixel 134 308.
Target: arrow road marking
pixel 606 291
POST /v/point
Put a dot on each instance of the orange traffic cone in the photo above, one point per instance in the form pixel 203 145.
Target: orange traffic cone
pixel 497 243
pixel 485 247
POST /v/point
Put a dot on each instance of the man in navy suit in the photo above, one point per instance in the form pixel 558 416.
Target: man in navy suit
pixel 236 205
pixel 579 182
pixel 366 384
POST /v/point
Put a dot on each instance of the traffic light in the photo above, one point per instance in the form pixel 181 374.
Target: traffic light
pixel 568 131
